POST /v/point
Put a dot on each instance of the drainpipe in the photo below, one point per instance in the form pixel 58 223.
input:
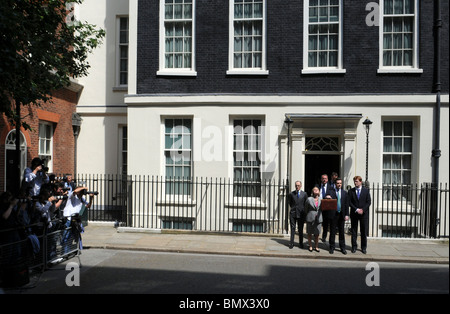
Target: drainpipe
pixel 436 153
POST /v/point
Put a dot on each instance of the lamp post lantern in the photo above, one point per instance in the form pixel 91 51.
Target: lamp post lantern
pixel 367 123
pixel 288 121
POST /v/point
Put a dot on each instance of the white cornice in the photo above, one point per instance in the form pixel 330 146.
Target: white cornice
pixel 262 99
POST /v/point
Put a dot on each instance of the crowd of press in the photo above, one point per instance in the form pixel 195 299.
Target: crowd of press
pixel 44 204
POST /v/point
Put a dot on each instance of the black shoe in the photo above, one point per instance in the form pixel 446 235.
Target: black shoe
pixel 364 251
pixel 331 251
pixel 353 250
pixel 291 245
pixel 301 245
pixel 344 251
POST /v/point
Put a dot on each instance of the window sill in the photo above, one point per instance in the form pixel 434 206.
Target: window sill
pixel 120 88
pixel 176 73
pixel 177 200
pixel 400 71
pixel 324 71
pixel 250 203
pixel 247 72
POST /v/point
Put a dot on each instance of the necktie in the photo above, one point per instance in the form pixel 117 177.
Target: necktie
pixel 357 192
pixel 298 194
pixel 338 201
pixel 323 191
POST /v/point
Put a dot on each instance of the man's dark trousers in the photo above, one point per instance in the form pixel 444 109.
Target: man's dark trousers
pixel 297 200
pixel 299 223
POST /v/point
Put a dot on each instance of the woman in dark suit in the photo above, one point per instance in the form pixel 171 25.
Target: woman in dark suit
pixel 313 218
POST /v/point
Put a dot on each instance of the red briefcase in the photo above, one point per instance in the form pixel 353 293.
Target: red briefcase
pixel 328 204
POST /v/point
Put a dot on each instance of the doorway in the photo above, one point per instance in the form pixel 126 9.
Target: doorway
pixel 318 164
pixel 10 155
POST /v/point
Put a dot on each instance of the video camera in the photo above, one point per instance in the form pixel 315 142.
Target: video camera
pixel 23 200
pixel 33 198
pixel 85 192
pixel 60 197
pixel 44 168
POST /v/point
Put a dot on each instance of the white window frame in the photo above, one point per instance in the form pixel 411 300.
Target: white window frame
pixel 118 50
pixel 415 64
pixel 47 157
pixel 123 149
pixel 163 71
pixel 414 157
pixel 169 194
pixel 399 153
pixel 256 152
pixel 247 71
pixel 339 69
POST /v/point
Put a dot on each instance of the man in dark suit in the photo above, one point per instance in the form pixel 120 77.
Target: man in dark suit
pixel 360 202
pixel 326 191
pixel 297 200
pixel 341 215
pixel 334 177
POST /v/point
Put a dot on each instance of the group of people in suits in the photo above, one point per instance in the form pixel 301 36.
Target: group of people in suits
pixel 353 204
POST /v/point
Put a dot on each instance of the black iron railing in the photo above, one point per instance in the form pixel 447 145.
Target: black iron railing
pixel 214 204
pixel 34 248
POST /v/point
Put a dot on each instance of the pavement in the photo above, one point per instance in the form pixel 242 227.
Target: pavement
pixel 105 235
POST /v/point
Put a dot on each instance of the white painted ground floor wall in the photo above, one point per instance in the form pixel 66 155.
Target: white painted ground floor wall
pixel 101 144
pixel 338 117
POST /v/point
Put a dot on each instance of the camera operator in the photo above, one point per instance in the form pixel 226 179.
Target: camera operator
pixel 35 176
pixel 9 232
pixel 60 196
pixel 8 217
pixel 46 204
pixel 74 204
pixel 76 200
pixel 68 182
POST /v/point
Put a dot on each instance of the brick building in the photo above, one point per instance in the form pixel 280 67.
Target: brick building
pixel 50 137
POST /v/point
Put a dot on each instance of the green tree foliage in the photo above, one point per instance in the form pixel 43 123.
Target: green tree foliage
pixel 41 48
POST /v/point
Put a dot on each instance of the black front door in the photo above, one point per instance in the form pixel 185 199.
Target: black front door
pixel 318 164
pixel 10 173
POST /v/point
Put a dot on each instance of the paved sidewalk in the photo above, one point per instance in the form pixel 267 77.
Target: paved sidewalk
pixel 104 235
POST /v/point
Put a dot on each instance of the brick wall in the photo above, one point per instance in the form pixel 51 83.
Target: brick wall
pixel 59 113
pixel 285 54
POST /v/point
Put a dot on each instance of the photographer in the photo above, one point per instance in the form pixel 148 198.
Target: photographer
pixel 74 205
pixel 68 182
pixel 76 200
pixel 45 205
pixel 35 176
pixel 60 196
pixel 8 218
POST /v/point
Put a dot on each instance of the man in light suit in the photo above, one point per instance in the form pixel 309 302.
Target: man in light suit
pixel 341 215
pixel 360 202
pixel 297 200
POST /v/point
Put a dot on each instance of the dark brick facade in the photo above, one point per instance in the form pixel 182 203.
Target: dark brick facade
pixel 285 54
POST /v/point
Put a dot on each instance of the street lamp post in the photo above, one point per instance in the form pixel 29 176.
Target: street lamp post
pixel 76 125
pixel 288 121
pixel 367 123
